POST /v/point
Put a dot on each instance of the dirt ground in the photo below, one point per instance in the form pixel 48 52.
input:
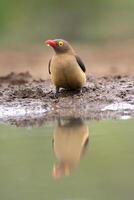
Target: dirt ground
pixel 28 102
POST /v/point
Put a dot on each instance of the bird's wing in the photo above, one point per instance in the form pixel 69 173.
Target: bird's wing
pixel 80 63
pixel 49 66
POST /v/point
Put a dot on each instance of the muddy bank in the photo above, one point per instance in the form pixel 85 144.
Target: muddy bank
pixel 27 102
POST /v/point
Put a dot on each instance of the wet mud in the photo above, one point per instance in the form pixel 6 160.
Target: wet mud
pixel 28 102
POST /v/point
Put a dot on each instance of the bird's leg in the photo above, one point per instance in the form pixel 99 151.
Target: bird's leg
pixel 59 121
pixel 56 95
pixel 79 90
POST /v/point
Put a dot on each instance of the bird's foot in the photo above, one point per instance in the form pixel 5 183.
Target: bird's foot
pixel 85 89
pixel 56 94
pixel 79 91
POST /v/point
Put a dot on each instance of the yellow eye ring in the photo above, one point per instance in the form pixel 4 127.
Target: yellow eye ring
pixel 61 43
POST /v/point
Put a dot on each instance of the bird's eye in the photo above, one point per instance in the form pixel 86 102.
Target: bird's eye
pixel 61 43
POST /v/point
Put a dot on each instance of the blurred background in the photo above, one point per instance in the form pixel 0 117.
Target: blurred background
pixel 101 32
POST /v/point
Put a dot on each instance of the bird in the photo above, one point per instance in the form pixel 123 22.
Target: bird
pixel 70 141
pixel 66 69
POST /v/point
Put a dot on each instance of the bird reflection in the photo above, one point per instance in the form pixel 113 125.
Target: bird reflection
pixel 70 139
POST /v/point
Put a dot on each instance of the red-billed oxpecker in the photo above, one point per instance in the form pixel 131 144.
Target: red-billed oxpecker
pixel 66 68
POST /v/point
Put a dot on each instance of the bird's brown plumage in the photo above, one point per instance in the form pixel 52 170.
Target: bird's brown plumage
pixel 66 69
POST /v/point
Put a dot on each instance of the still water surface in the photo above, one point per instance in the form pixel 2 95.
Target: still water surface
pixel 68 160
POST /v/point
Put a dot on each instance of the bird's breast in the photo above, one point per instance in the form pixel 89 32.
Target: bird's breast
pixel 66 73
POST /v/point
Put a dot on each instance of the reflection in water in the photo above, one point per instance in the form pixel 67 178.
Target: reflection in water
pixel 70 140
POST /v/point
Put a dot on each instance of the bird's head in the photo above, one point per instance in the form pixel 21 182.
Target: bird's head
pixel 60 46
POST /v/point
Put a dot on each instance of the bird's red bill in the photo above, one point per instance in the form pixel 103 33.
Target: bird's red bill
pixel 57 171
pixel 51 43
